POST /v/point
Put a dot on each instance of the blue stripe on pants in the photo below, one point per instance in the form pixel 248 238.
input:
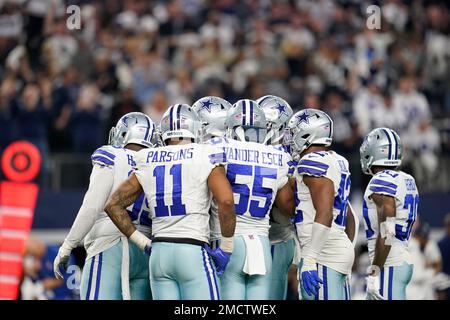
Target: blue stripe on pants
pixel 381 281
pixel 346 293
pixel 217 287
pixel 99 271
pixel 391 274
pixel 325 284
pixel 211 290
pixel 91 270
pixel 347 286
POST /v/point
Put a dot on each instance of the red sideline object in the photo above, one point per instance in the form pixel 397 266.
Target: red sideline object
pixel 20 163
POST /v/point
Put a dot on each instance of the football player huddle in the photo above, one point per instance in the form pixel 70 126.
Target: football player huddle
pixel 219 200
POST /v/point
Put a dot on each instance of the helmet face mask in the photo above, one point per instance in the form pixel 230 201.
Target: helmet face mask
pixel 134 127
pixel 248 134
pixel 246 121
pixel 381 147
pixel 278 113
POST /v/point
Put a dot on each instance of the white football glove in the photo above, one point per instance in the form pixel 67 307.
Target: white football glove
pixel 373 288
pixel 61 260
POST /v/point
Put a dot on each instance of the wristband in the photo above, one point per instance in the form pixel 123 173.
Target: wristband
pixel 140 240
pixel 227 244
pixel 319 236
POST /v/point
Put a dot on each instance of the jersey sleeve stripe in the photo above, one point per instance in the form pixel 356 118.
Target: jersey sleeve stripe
pixel 311 171
pixel 103 160
pixel 376 189
pixel 384 183
pixel 100 152
pixel 312 163
pixel 217 158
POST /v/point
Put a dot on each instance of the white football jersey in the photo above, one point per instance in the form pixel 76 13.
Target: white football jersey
pixel 402 187
pixel 338 251
pixel 104 234
pixel 256 172
pixel 175 181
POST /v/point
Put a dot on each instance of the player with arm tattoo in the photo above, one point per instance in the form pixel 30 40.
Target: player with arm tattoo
pixel 322 191
pixel 389 211
pixel 114 269
pixel 180 179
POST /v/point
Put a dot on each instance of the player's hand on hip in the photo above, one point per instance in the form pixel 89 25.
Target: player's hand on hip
pixel 148 249
pixel 373 288
pixel 141 240
pixel 61 261
pixel 310 277
pixel 221 258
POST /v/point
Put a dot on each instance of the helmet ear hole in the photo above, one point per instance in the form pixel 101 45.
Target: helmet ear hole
pixel 305 136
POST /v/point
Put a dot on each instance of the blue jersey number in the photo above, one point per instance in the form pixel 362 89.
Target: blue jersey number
pixel 411 204
pixel 369 231
pixel 243 190
pixel 177 208
pixel 144 217
pixel 298 213
pixel 341 200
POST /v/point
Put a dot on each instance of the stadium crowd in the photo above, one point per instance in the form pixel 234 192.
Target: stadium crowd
pixel 63 89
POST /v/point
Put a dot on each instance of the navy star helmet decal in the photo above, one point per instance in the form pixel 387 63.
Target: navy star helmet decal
pixel 281 108
pixel 207 105
pixel 304 117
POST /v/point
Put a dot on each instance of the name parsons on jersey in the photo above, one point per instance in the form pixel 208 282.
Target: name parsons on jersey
pixel 168 156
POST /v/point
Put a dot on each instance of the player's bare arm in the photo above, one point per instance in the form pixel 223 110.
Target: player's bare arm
pixel 285 200
pixel 322 194
pixel 223 194
pixel 385 209
pixel 117 203
pixel 350 227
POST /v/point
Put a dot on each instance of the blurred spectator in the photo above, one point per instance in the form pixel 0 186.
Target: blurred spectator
pixel 411 104
pixel 7 130
pixel 125 104
pixel 426 258
pixel 424 145
pixel 368 107
pixel 444 247
pixel 158 106
pixel 64 96
pixel 150 73
pixel 39 282
pixel 32 117
pixel 86 123
pixel 345 128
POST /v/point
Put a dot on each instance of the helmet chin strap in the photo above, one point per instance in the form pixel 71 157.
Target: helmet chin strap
pixel 111 136
pixel 369 166
pixel 240 133
pixel 269 135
